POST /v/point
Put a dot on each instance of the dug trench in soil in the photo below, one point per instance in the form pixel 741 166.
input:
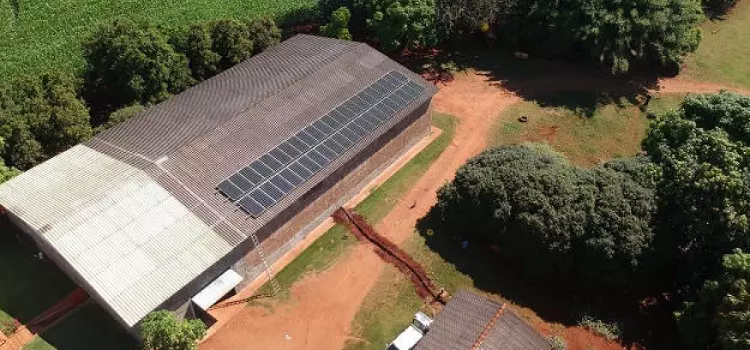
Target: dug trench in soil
pixel 390 253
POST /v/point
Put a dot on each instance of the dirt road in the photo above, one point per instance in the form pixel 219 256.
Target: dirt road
pixel 322 306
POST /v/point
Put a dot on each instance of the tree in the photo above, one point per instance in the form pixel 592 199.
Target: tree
pixel 401 24
pixel 161 330
pixel 720 317
pixel 50 106
pixel 231 40
pixel 461 17
pixel 586 226
pixel 121 115
pixel 705 163
pixel 129 62
pixel 6 172
pixel 263 33
pixel 197 45
pixel 338 27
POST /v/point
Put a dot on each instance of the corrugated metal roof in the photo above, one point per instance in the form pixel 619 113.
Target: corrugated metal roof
pixel 471 320
pixel 129 239
pixel 176 153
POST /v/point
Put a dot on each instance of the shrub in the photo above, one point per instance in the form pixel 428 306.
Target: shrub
pixel 558 343
pixel 338 27
pixel 9 327
pixel 129 62
pixel 610 331
pixel 161 330
pixel 263 33
pixel 121 115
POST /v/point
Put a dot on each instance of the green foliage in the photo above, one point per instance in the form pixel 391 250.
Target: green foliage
pixel 161 330
pixel 263 33
pixel 338 27
pixel 705 159
pixel 39 117
pixel 401 24
pixel 720 317
pixel 121 115
pixel 50 106
pixel 610 331
pixel 197 45
pixel 591 226
pixel 231 41
pixel 128 62
pixel 615 33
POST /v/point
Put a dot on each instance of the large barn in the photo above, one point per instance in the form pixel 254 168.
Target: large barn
pixel 163 211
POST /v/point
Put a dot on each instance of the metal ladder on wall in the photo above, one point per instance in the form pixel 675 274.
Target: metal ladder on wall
pixel 267 267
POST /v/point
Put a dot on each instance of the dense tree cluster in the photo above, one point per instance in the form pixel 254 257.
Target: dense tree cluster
pixel 720 317
pixel 40 117
pixel 681 212
pixel 161 330
pixel 704 155
pixel 558 219
pixel 128 62
pixel 129 65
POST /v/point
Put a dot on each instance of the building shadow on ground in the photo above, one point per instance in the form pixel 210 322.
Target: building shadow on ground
pixel 650 325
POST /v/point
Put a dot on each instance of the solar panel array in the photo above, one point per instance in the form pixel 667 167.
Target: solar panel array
pixel 268 179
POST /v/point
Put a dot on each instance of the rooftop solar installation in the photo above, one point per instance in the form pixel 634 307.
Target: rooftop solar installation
pixel 264 182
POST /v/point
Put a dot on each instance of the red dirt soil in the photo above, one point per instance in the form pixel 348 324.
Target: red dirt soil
pixel 322 306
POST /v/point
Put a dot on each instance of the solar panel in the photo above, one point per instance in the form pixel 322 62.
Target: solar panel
pixel 275 174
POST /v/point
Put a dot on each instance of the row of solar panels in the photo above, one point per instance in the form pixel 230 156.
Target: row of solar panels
pixel 268 179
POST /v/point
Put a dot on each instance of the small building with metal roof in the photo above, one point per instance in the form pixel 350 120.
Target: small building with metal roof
pixel 172 208
pixel 475 322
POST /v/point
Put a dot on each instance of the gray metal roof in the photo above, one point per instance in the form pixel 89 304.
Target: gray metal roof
pixel 139 200
pixel 472 321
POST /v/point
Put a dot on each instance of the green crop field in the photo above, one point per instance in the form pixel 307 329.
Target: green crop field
pixel 37 35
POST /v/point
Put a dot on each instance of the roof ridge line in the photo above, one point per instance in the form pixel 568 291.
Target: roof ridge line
pixel 488 327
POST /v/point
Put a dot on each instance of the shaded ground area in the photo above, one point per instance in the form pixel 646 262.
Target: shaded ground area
pixel 28 286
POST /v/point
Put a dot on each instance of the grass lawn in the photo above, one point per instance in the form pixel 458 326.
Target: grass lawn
pixel 45 35
pixel 333 244
pixel 724 53
pixel 587 133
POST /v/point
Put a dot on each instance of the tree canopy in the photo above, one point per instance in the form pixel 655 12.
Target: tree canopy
pixel 401 24
pixel 720 317
pixel 161 330
pixel 128 62
pixel 40 117
pixel 264 33
pixel 705 160
pixel 592 224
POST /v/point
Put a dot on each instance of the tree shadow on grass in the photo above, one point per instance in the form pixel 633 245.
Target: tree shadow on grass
pixel 554 300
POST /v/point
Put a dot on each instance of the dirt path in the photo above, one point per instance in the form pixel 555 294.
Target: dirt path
pixel 679 85
pixel 322 306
